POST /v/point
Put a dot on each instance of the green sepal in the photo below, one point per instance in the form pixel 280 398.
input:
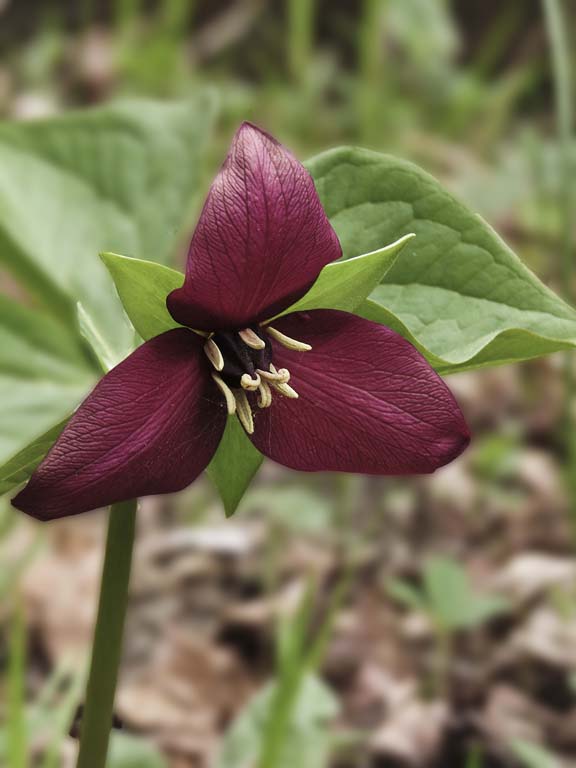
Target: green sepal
pixel 143 287
pixel 344 285
pixel 234 465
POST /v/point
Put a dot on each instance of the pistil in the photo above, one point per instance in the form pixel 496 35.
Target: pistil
pixel 279 380
pixel 249 383
pixel 242 363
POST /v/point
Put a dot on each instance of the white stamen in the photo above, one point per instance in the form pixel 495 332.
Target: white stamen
pixel 283 374
pixel 265 395
pixel 213 354
pixel 227 392
pixel 247 382
pixel 243 411
pixel 268 375
pixel 275 376
pixel 251 339
pixel 286 341
pixel 286 390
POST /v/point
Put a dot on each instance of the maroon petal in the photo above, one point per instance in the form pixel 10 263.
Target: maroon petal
pixel 150 426
pixel 261 241
pixel 369 402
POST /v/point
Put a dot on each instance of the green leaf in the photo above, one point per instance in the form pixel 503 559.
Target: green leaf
pixel 127 751
pixel 89 330
pixel 120 178
pixel 345 284
pixel 451 598
pixel 457 291
pixel 406 593
pixel 309 741
pixel 533 755
pixel 234 465
pixel 296 508
pixel 143 287
pixel 45 373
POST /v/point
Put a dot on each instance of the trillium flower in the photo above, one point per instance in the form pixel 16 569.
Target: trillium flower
pixel 317 390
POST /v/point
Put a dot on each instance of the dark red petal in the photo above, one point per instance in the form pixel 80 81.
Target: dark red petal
pixel 261 241
pixel 369 402
pixel 150 426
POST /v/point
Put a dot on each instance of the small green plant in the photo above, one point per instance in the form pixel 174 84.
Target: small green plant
pixel 285 724
pixel 450 602
pixel 447 597
pixel 532 755
pixel 44 723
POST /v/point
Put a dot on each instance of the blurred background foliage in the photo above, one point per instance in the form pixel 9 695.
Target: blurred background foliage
pixel 335 621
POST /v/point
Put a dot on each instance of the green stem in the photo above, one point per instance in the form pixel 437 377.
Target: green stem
pixel 557 31
pixel 443 657
pixel 301 32
pixel 17 750
pixel 370 86
pixel 107 647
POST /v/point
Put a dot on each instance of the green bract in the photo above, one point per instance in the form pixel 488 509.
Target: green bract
pixel 234 465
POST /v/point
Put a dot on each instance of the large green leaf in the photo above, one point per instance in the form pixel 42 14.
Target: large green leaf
pixel 457 290
pixel 44 373
pixel 119 178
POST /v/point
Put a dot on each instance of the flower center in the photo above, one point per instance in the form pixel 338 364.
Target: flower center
pixel 243 364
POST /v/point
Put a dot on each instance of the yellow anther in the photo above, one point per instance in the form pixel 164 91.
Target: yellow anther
pixel 268 375
pixel 286 341
pixel 286 390
pixel 249 383
pixel 282 374
pixel 213 354
pixel 243 410
pixel 275 376
pixel 227 392
pixel 250 338
pixel 264 395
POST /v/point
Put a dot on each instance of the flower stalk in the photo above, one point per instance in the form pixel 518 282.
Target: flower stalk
pixel 557 26
pixel 107 645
